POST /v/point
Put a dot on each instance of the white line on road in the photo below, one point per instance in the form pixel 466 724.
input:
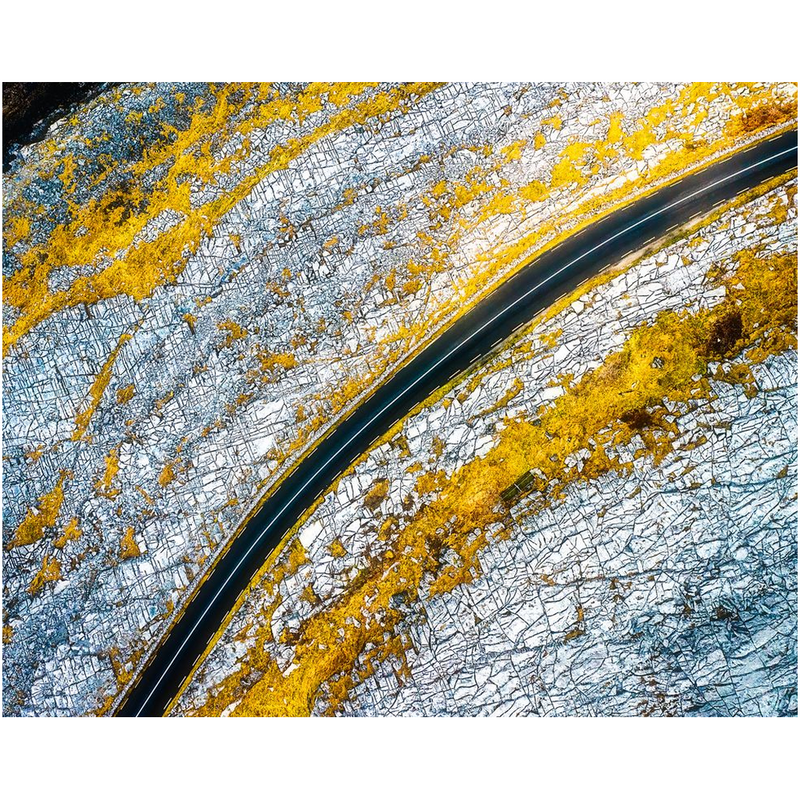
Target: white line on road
pixel 433 366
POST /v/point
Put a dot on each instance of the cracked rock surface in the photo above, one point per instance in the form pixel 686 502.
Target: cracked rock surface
pixel 198 279
pixel 665 586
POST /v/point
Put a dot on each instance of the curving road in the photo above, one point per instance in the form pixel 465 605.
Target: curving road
pixel 515 302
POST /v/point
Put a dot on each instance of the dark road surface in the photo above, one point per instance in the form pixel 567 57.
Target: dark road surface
pixel 516 301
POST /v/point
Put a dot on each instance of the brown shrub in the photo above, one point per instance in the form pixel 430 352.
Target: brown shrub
pixel 637 419
pixel 725 333
pixel 377 494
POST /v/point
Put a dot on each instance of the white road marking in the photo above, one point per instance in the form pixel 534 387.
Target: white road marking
pixel 522 297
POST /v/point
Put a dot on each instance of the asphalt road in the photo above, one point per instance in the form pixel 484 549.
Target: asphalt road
pixel 515 302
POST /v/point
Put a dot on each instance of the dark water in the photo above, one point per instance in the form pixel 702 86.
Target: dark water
pixel 30 108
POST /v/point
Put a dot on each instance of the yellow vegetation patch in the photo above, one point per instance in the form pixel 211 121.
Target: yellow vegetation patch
pixel 103 486
pixel 14 230
pixel 71 533
pixel 555 122
pixel 615 131
pixel 377 494
pixel 143 493
pixel 233 331
pixel 35 454
pixel 271 364
pixel 534 192
pixel 169 472
pixel 97 390
pixel 637 141
pixel 337 549
pixel 128 547
pixel 49 572
pixel 126 393
pixel 297 556
pixel 513 152
pixel 121 672
pixel 43 516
